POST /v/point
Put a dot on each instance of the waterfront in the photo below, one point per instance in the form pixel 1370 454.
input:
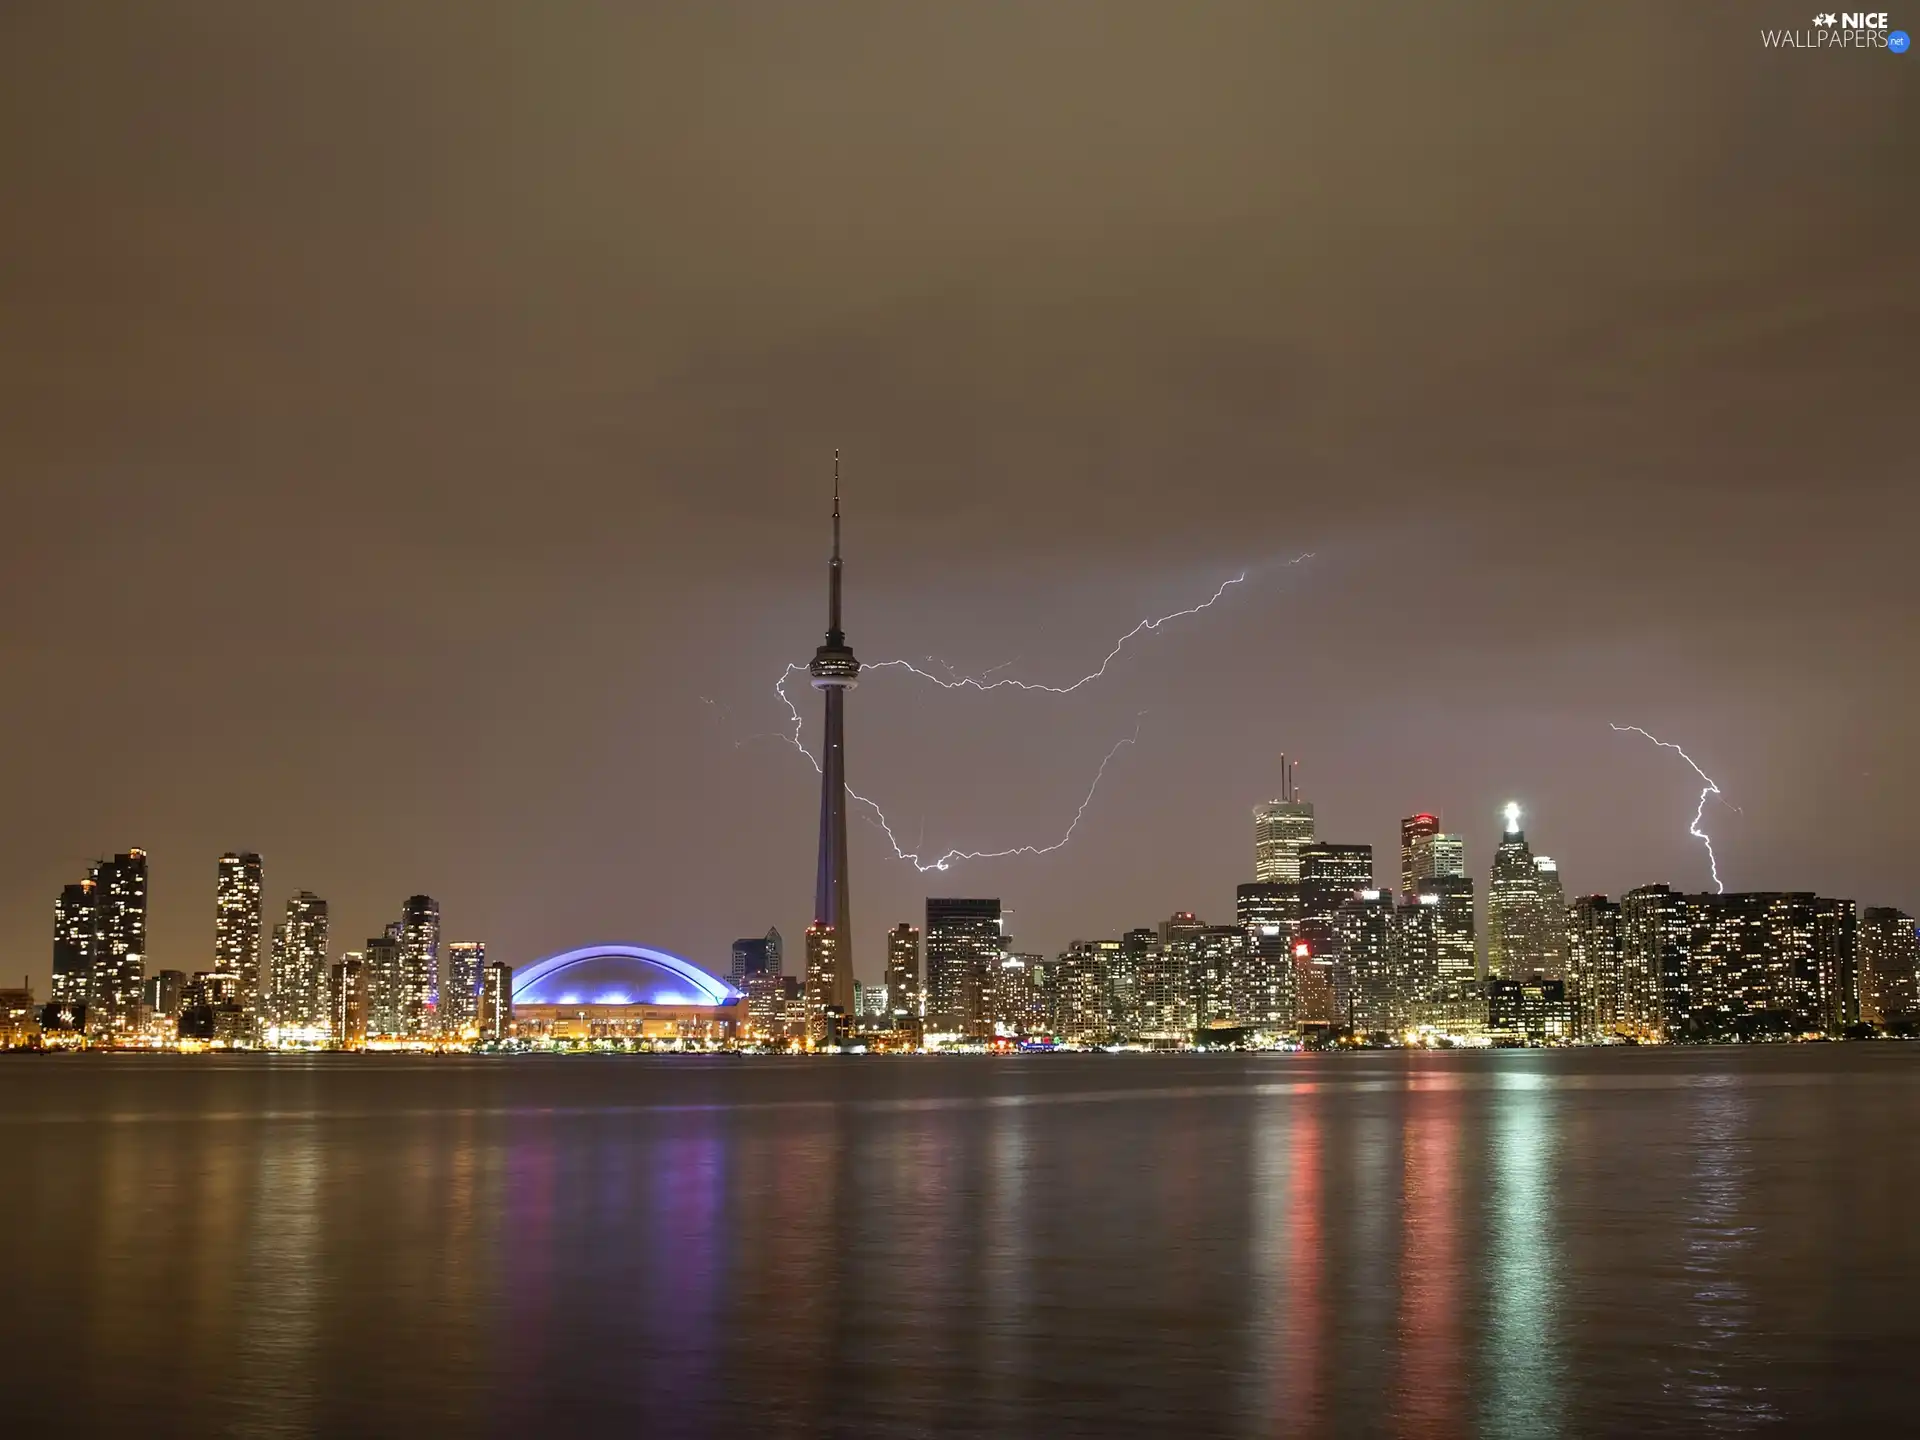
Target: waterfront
pixel 1520 1242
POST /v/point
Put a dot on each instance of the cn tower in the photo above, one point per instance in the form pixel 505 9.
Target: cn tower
pixel 830 938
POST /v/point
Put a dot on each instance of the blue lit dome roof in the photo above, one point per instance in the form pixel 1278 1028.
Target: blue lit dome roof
pixel 618 975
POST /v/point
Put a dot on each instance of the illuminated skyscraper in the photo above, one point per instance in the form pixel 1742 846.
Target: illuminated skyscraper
pixel 496 1001
pixel 236 930
pixel 1455 953
pixel 1417 834
pixel 1595 977
pixel 1268 911
pixel 460 998
pixel 1550 915
pixel 754 955
pixel 1518 936
pixel 386 986
pixel 75 927
pixel 1448 858
pixel 298 984
pixel 120 944
pixel 1889 959
pixel 1281 828
pixel 1372 976
pixel 419 964
pixel 834 671
pixel 348 1000
pixel 1656 964
pixel 903 976
pixel 963 959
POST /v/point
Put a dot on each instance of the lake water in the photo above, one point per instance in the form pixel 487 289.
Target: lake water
pixel 1506 1243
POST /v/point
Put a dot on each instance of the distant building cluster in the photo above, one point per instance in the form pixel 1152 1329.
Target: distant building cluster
pixel 1318 952
pixel 402 989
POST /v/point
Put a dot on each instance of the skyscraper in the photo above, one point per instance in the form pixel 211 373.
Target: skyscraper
pixel 236 930
pixel 74 931
pixel 1594 968
pixel 754 955
pixel 1656 961
pixel 120 944
pixel 1377 995
pixel 830 937
pixel 419 964
pixel 1417 834
pixel 460 998
pixel 1550 916
pixel 1516 937
pixel 1889 959
pixel 348 1001
pixel 299 981
pixel 963 959
pixel 496 1001
pixel 903 976
pixel 1448 858
pixel 1269 911
pixel 1455 954
pixel 386 986
pixel 1280 829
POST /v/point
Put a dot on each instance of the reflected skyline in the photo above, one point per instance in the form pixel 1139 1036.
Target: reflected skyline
pixel 1408 1245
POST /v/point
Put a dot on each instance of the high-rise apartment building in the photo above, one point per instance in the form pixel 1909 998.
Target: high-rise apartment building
pixel 903 976
pixel 1133 983
pixel 1330 875
pixel 298 984
pixel 1281 828
pixel 120 945
pixel 1656 966
pixel 1455 951
pixel 1372 989
pixel 1080 1010
pixel 419 964
pixel 387 1008
pixel 1268 911
pixel 349 999
pixel 828 1020
pixel 75 929
pixel 1889 955
pixel 1596 977
pixel 459 1011
pixel 963 957
pixel 496 1001
pixel 237 913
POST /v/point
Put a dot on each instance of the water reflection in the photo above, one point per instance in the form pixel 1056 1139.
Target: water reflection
pixel 1520 1359
pixel 1431 1380
pixel 1336 1245
pixel 1715 1249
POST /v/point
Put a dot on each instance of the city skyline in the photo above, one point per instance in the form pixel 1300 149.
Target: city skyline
pixel 1584 422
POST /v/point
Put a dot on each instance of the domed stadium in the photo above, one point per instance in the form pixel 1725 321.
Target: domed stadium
pixel 624 993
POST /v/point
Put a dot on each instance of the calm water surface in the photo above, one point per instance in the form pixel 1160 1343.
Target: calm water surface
pixel 1529 1244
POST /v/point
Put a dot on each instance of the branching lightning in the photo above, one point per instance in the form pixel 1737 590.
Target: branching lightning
pixel 983 684
pixel 943 862
pixel 1700 810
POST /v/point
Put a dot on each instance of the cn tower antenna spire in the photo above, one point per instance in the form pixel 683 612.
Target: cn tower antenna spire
pixel 833 587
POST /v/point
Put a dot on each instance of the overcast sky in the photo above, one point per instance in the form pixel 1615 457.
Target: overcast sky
pixel 416 426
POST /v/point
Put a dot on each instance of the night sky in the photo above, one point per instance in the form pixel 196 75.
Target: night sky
pixel 416 426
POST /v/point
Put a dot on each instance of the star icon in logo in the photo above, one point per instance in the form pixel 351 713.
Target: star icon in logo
pixel 1826 19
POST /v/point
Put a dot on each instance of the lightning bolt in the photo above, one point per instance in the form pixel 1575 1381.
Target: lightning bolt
pixel 951 857
pixel 981 683
pixel 1700 810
